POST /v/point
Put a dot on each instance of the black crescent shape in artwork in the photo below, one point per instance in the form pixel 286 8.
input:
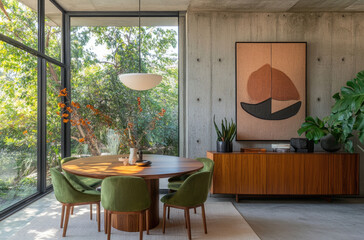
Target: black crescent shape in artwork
pixel 263 110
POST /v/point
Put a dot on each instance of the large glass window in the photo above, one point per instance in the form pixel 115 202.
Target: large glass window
pixel 53 118
pixel 53 31
pixel 107 111
pixel 18 125
pixel 20 21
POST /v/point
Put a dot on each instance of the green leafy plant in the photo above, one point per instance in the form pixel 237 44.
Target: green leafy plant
pixel 346 118
pixel 228 131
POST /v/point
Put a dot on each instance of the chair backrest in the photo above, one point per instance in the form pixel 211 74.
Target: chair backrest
pixel 124 194
pixel 63 190
pixel 208 166
pixel 67 159
pixel 74 180
pixel 193 191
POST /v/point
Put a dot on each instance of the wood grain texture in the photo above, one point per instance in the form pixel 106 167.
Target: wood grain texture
pixel 344 174
pixel 316 174
pixel 236 173
pixel 107 166
pixel 285 174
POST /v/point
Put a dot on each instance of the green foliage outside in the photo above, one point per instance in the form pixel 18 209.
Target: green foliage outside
pixel 94 82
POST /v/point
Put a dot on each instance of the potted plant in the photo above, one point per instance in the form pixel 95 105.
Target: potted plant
pixel 225 136
pixel 347 117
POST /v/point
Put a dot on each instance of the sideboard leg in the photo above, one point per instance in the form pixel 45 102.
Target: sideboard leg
pixel 237 198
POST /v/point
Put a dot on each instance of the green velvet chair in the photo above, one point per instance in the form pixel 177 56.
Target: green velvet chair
pixel 125 195
pixel 80 183
pixel 69 197
pixel 174 183
pixel 192 193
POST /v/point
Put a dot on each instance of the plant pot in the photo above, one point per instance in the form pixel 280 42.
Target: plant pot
pixel 224 146
pixel 329 143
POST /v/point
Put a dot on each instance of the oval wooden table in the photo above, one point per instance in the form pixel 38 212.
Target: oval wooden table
pixel 162 166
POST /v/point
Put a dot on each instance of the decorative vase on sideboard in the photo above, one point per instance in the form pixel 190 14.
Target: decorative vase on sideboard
pixel 329 143
pixel 222 146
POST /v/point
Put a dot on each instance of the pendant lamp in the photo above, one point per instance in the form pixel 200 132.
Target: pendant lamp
pixel 140 81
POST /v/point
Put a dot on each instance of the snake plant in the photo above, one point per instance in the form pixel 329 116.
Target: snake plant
pixel 228 130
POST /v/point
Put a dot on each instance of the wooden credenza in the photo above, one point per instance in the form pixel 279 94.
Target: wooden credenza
pixel 285 173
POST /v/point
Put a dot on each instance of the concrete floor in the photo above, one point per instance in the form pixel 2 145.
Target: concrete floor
pixel 305 218
pixel 283 219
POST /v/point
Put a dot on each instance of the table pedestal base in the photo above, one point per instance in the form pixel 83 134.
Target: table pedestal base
pixel 130 223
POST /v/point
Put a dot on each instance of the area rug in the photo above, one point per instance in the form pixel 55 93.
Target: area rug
pixel 223 222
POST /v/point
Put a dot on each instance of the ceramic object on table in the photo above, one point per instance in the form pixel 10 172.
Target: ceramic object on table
pixel 133 156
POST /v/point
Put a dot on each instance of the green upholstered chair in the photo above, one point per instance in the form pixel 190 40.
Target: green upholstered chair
pixel 80 183
pixel 174 183
pixel 69 197
pixel 125 195
pixel 192 193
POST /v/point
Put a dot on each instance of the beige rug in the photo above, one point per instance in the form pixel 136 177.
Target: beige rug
pixel 223 222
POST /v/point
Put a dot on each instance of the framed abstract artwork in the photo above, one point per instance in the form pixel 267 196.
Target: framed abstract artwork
pixel 270 90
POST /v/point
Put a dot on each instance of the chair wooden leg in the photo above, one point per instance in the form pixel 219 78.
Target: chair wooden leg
pixel 91 211
pixel 108 225
pixel 204 217
pixel 187 210
pixel 169 209
pixel 68 210
pixel 62 216
pixel 147 221
pixel 195 210
pixel 164 218
pixel 98 215
pixel 72 208
pixel 185 220
pixel 105 220
pixel 141 226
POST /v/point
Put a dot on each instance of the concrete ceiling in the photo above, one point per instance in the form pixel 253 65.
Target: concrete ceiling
pixel 214 5
pixel 277 5
pixel 54 15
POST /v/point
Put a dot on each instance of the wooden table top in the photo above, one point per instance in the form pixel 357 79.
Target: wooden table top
pixel 105 166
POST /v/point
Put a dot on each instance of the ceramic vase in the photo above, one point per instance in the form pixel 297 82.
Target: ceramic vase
pixel 224 146
pixel 133 156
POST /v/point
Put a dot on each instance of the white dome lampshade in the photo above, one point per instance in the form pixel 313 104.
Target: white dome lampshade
pixel 140 81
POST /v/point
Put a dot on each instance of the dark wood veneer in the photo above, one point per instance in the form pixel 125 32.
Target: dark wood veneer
pixel 285 173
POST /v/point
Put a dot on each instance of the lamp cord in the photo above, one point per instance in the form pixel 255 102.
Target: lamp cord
pixel 140 58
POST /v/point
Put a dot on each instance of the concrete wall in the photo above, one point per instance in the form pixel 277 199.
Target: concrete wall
pixel 335 53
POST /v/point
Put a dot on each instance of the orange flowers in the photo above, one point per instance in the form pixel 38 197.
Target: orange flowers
pixel 139 103
pixel 81 140
pixel 61 105
pixel 66 120
pixel 25 132
pixel 65 115
pixel 69 109
pixel 162 112
pixel 76 105
pixel 63 93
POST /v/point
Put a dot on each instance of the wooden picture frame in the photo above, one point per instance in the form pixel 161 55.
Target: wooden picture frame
pixel 270 89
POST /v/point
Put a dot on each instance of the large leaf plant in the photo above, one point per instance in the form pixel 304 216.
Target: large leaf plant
pixel 346 118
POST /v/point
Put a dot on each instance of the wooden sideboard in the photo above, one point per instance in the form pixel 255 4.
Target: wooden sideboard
pixel 285 173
